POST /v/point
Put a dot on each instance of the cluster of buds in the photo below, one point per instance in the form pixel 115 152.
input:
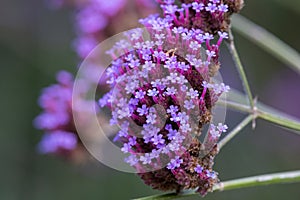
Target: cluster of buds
pixel 208 15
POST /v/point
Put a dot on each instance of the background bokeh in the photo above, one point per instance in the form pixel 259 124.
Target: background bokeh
pixel 35 42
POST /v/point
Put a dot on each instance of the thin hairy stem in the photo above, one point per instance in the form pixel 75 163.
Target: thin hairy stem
pixel 240 68
pixel 268 179
pixel 267 41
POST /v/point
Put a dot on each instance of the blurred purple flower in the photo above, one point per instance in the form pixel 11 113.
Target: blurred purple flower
pixel 56 120
pixel 90 20
pixel 84 45
pixel 57 141
pixel 56 102
pixel 109 8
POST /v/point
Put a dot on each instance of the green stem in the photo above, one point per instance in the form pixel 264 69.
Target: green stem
pixel 267 41
pixel 240 68
pixel 284 177
pixel 282 121
pixel 235 131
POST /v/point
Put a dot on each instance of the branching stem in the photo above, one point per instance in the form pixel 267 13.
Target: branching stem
pixel 263 112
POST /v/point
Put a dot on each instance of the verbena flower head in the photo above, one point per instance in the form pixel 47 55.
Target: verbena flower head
pixel 162 95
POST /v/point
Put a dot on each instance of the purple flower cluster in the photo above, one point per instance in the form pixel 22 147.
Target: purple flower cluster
pixel 162 95
pixel 56 119
pixel 190 40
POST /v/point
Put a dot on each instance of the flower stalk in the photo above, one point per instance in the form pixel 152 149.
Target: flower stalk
pixel 267 179
pixel 240 68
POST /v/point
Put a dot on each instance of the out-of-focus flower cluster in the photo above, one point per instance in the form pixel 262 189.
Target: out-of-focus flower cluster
pixel 96 20
pixel 56 120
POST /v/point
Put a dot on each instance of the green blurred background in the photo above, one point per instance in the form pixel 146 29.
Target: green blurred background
pixel 35 42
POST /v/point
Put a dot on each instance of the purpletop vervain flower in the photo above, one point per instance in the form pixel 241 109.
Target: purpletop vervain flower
pixel 171 71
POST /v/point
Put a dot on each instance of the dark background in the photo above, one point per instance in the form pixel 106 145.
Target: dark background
pixel 35 42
